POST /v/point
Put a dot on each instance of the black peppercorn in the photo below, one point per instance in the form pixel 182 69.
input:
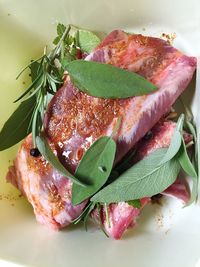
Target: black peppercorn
pixel 34 152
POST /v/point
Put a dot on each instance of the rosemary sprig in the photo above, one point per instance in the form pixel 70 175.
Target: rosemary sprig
pixel 46 78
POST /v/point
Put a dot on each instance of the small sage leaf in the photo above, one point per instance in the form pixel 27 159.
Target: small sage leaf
pixel 94 168
pixel 185 162
pixel 87 41
pixel 189 169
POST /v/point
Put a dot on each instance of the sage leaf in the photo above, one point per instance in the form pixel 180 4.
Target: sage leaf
pixel 189 169
pixel 87 41
pixel 185 162
pixel 48 154
pixel 193 131
pixel 176 141
pixel 144 179
pixel 16 127
pixel 94 168
pixel 106 81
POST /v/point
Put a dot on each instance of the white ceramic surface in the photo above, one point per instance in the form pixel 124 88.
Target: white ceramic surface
pixel 165 236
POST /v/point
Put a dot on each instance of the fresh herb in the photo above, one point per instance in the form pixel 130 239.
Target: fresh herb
pixel 16 127
pixel 87 41
pixel 189 169
pixel 61 28
pixel 85 213
pixel 192 129
pixel 100 220
pixel 146 178
pixel 48 154
pixel 46 79
pixel 94 168
pixel 106 81
pixel 85 219
pixel 185 161
pixel 100 80
pixel 176 141
pixel 107 214
pixel 153 174
pixel 135 203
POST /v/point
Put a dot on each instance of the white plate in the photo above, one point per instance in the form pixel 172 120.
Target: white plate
pixel 165 236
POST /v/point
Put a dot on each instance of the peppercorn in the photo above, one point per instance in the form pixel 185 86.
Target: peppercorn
pixel 34 152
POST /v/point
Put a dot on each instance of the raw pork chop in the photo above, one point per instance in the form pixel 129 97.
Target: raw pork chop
pixel 122 215
pixel 75 120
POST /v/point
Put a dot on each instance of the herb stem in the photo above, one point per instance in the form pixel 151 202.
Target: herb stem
pixel 107 215
pixel 27 66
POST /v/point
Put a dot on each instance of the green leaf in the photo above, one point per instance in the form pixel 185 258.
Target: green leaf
pixel 29 66
pixel 176 141
pixel 135 203
pixel 144 179
pixel 34 67
pixel 85 219
pixel 106 81
pixel 94 168
pixel 56 40
pixel 88 208
pixel 60 29
pixel 87 41
pixel 15 128
pixel 185 162
pixel 193 131
pixel 189 169
pixel 48 154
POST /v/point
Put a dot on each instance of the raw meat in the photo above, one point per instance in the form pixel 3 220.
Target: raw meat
pixel 48 192
pixel 122 215
pixel 75 120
